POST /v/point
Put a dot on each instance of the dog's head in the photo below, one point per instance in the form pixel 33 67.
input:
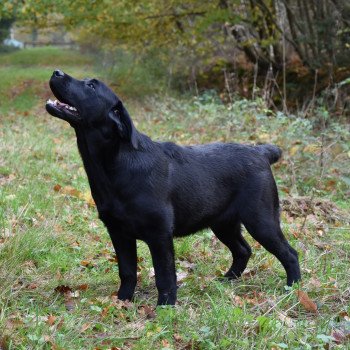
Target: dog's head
pixel 89 103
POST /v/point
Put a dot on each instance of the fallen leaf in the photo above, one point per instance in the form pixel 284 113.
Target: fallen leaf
pixel 57 188
pixel 32 286
pixel 237 300
pixel 88 199
pixel 305 300
pixel 105 311
pixel 84 327
pixel 62 289
pixel 311 148
pixel 177 337
pixel 342 333
pixel 126 304
pixel 187 264
pixel 83 287
pixel 285 319
pixel 71 191
pixel 148 311
pixel 315 282
pixel 51 320
pixel 293 150
pixel 165 343
pixel 86 263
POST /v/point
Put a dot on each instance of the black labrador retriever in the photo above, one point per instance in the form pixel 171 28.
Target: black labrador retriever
pixel 154 191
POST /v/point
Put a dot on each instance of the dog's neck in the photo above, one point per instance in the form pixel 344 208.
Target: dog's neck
pixel 99 156
pixel 106 159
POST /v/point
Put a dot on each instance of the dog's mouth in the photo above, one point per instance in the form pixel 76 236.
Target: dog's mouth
pixel 62 106
pixel 62 110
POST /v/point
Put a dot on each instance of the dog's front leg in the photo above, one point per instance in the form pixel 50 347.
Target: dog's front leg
pixel 162 251
pixel 127 263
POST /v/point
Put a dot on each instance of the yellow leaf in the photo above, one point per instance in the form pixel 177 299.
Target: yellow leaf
pixel 264 137
pixel 293 150
pixel 71 191
pixel 88 198
pixel 312 148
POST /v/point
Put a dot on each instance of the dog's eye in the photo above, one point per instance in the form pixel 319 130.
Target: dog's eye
pixel 91 85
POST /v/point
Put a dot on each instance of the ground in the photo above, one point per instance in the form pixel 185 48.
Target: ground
pixel 58 271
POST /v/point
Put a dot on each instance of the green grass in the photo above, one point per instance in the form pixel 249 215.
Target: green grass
pixel 49 239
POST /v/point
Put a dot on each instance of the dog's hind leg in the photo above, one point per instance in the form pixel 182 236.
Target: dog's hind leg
pixel 230 234
pixel 267 231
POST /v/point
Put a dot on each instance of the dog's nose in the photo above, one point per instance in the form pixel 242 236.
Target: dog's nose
pixel 58 73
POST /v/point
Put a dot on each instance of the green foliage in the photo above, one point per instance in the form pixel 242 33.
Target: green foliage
pixel 197 39
pixel 135 75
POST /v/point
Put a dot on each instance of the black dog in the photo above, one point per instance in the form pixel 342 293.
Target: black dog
pixel 154 191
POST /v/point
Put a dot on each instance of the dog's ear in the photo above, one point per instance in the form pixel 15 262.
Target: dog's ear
pixel 126 128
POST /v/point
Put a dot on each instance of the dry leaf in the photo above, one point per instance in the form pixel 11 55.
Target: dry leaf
pixel 88 199
pixel 148 311
pixel 305 300
pixel 186 264
pixel 105 311
pixel 237 300
pixel 311 148
pixel 315 282
pixel 84 327
pixel 62 289
pixel 293 150
pixel 32 286
pixel 57 188
pixel 341 334
pixel 51 320
pixel 86 263
pixel 177 337
pixel 165 343
pixel 285 319
pixel 83 287
pixel 126 304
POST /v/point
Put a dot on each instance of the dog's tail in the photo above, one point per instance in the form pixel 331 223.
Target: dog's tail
pixel 271 152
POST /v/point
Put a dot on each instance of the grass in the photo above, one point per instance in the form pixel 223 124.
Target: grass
pixel 50 238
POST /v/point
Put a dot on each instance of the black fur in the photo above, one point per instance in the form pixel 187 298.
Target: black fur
pixel 154 191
